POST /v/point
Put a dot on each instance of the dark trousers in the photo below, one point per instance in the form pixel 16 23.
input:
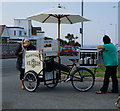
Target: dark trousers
pixel 22 71
pixel 110 71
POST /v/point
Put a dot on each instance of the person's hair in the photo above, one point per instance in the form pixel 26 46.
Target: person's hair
pixel 106 39
pixel 25 42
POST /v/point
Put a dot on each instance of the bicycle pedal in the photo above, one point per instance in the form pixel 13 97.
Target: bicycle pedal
pixel 67 79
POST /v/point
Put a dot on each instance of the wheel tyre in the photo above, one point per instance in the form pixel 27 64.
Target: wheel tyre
pixel 93 79
pixel 32 75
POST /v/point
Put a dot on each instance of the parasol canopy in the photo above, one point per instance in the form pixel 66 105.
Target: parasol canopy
pixel 58 15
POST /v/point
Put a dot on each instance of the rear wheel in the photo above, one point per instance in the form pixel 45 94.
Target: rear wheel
pixel 83 79
pixel 30 81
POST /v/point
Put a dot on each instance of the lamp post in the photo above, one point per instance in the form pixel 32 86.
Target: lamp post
pixel 115 25
pixel 81 29
pixel 118 22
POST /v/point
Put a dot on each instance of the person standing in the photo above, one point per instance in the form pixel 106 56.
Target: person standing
pixel 20 53
pixel 111 63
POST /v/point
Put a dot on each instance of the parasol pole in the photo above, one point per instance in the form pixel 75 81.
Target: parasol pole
pixel 59 73
pixel 59 38
pixel 82 24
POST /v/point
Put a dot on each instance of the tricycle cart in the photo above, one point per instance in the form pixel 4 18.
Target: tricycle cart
pixel 44 68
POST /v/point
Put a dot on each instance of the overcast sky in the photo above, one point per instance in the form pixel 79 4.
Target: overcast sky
pixel 104 18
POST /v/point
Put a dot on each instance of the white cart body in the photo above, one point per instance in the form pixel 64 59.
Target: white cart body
pixel 34 61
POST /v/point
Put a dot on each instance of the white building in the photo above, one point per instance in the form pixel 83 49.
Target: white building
pixel 23 29
pixel 26 24
pixel 12 33
pixel 15 32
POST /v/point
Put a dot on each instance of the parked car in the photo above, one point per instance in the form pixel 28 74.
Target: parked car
pixel 69 50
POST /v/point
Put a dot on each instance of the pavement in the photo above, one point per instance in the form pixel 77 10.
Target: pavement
pixel 64 96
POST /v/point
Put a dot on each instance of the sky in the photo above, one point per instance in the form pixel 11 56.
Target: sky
pixel 103 18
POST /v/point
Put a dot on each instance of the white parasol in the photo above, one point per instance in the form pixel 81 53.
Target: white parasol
pixel 58 15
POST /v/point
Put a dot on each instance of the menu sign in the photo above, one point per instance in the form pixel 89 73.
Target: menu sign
pixel 32 61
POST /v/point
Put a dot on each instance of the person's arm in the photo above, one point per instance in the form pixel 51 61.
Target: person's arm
pixel 100 47
pixel 19 50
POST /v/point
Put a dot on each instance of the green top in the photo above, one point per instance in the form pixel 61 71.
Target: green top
pixel 110 55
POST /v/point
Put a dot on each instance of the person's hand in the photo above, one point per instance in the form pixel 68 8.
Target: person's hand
pixel 21 52
pixel 100 52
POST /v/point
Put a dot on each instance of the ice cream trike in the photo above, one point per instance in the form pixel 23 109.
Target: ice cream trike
pixel 45 68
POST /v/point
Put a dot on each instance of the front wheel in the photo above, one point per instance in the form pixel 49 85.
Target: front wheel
pixel 83 79
pixel 30 81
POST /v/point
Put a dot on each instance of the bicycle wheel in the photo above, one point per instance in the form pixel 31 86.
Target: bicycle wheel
pixel 82 79
pixel 30 81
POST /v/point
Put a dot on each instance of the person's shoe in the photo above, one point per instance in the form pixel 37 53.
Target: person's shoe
pixel 100 92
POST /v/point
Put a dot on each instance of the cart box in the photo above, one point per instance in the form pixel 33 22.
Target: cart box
pixel 88 57
pixel 32 61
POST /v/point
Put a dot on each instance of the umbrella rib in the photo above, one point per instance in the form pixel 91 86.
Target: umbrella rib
pixel 69 20
pixel 57 17
pixel 48 17
pixel 45 19
pixel 53 15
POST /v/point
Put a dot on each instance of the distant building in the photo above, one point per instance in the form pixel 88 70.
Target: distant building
pixel 22 29
pixel 11 33
pixel 4 35
pixel 26 24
